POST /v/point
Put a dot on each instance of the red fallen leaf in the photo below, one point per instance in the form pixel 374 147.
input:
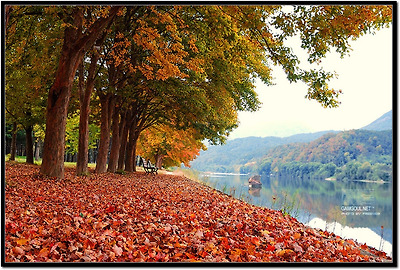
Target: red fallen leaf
pixel 225 243
pixel 235 255
pixel 284 252
pixel 343 252
pixel 161 256
pixel 209 234
pixel 199 234
pixel 38 199
pixel 177 255
pixel 351 242
pixel 118 222
pixel 18 251
pixel 54 247
pixel 110 233
pixel 110 209
pixel 255 241
pixel 190 256
pixel 145 202
pixel 297 236
pixel 44 252
pixel 203 254
pixel 89 244
pixel 270 248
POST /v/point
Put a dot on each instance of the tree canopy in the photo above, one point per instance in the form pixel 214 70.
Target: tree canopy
pixel 191 67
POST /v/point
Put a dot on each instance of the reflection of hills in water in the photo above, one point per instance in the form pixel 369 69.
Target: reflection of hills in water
pixel 327 199
pixel 319 199
pixel 354 204
pixel 364 235
pixel 322 204
pixel 256 192
pixel 366 198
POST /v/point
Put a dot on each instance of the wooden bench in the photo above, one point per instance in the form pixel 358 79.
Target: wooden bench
pixel 148 167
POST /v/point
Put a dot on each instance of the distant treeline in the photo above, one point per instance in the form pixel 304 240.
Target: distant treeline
pixel 233 155
pixel 349 155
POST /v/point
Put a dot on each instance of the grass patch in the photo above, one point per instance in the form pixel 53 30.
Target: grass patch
pixel 22 159
pixel 120 172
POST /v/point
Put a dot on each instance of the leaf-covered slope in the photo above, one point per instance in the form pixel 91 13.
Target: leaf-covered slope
pixel 139 218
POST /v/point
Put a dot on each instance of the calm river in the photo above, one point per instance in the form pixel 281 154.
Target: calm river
pixel 355 210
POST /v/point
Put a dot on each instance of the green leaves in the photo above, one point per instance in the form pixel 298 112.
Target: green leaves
pixel 72 133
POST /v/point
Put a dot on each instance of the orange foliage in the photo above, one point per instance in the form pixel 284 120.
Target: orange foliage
pixel 169 146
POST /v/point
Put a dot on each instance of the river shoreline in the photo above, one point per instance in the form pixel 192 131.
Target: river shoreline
pixel 335 222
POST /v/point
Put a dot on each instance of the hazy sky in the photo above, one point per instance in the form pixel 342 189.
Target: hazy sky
pixel 365 78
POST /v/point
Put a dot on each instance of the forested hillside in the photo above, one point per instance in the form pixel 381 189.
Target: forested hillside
pixel 354 154
pixel 321 153
pixel 236 153
pixel 382 123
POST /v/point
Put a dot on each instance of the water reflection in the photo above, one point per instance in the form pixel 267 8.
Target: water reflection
pixel 358 210
pixel 256 192
pixel 363 235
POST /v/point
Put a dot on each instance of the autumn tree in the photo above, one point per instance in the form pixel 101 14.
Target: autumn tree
pixel 79 36
pixel 149 50
pixel 179 84
pixel 72 132
pixel 220 48
pixel 115 75
pixel 200 62
pixel 86 87
pixel 115 71
pixel 30 45
pixel 167 146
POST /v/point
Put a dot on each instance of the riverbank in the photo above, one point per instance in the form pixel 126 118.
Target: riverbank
pixel 165 218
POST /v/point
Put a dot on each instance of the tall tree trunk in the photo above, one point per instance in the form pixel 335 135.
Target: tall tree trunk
pixel 57 108
pixel 58 100
pixel 107 104
pixel 134 154
pixel 85 93
pixel 130 165
pixel 37 149
pixel 138 125
pixel 14 141
pixel 73 48
pixel 29 145
pixel 116 142
pixel 159 160
pixel 83 140
pixel 124 140
pixel 8 13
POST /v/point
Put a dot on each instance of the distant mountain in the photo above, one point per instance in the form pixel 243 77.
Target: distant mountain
pixel 355 154
pixel 382 123
pixel 227 157
pixel 238 152
pixel 339 148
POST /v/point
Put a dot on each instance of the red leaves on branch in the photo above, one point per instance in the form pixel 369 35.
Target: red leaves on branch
pixel 139 218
